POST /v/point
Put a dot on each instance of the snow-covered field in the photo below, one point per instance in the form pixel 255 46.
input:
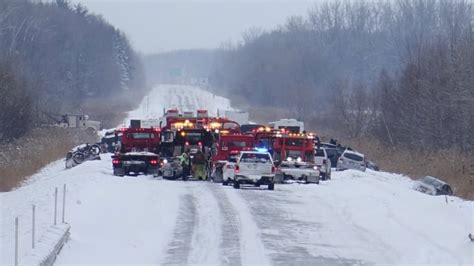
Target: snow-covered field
pixel 355 218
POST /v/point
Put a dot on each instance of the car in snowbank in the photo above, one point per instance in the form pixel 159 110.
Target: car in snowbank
pixel 351 160
pixel 432 186
pixel 254 168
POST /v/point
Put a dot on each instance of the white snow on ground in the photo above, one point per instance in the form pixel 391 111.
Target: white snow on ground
pixel 355 218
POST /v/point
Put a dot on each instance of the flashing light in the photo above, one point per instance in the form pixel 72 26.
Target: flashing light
pixel 165 161
pixel 260 129
pixel 200 143
pixel 186 143
pixel 234 152
pixel 153 162
pixel 157 129
pixel 122 129
pixel 183 134
pixel 224 131
pixel 262 149
pixel 217 131
pixel 267 129
pixel 216 125
pixel 115 161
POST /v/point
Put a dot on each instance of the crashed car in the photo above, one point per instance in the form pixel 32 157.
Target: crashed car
pixel 171 168
pixel 432 186
pixel 82 153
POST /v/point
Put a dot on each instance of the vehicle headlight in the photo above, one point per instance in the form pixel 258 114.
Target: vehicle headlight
pixel 315 168
pixel 165 161
pixel 298 159
pixel 289 159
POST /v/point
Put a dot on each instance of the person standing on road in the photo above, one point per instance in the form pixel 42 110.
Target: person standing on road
pixel 199 166
pixel 184 161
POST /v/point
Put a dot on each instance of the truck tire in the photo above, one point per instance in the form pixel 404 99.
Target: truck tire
pixel 119 172
pixel 271 186
pixel 236 184
pixel 323 176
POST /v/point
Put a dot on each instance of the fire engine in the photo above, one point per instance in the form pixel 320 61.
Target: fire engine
pixel 228 148
pixel 295 154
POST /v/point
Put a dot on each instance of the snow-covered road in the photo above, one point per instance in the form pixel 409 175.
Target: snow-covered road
pixel 355 218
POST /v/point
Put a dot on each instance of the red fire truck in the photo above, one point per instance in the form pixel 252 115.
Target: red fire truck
pixel 227 149
pixel 295 154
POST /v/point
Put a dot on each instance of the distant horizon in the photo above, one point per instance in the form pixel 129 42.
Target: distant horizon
pixel 161 26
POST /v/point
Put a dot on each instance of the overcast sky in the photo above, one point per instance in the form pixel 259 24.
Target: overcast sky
pixel 162 25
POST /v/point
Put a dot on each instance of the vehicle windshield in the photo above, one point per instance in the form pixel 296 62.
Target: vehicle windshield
pixel 255 158
pixel 238 144
pixel 354 157
pixel 431 181
pixel 140 135
pixel 193 137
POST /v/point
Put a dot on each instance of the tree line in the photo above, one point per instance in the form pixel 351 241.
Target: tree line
pixel 399 70
pixel 54 57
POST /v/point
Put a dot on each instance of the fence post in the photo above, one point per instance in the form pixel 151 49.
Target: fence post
pixel 16 241
pixel 55 205
pixel 64 201
pixel 33 225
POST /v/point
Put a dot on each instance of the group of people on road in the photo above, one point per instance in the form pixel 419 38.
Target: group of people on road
pixel 195 165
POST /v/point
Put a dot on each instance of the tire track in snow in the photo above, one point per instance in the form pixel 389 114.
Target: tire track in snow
pixel 230 241
pixel 251 245
pixel 284 235
pixel 180 247
pixel 205 244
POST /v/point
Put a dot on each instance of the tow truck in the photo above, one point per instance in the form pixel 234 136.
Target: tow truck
pixel 137 152
pixel 295 154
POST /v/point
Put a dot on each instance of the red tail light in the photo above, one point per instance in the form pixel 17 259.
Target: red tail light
pixel 273 169
pixel 186 143
pixel 153 162
pixel 200 143
pixel 115 161
pixel 236 169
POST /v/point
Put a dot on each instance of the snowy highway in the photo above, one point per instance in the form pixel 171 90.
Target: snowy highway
pixel 354 219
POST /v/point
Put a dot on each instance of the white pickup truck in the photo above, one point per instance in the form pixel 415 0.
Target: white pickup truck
pixel 254 168
pixel 296 169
